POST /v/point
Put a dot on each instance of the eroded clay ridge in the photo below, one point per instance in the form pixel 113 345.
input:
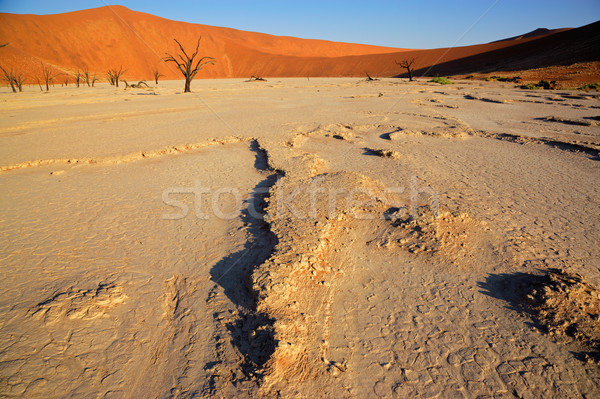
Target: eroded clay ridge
pixel 131 157
pixel 458 132
pixel 310 211
pixel 295 285
pixel 566 306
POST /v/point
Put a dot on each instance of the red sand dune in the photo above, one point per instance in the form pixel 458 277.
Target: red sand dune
pixel 534 33
pixel 108 37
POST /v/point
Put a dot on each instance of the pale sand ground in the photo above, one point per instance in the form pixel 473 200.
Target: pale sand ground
pixel 103 297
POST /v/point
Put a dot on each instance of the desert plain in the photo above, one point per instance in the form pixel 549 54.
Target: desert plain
pixel 295 237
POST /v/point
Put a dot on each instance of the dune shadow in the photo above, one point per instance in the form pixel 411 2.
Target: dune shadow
pixel 563 48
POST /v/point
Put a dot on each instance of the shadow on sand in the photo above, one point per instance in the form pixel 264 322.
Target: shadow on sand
pixel 252 333
pixel 513 289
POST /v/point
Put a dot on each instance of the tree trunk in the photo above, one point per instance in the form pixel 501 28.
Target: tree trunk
pixel 409 75
pixel 188 82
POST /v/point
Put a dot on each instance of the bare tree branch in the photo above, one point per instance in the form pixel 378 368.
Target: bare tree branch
pixel 14 79
pixel 186 66
pixel 137 85
pixel 77 76
pixel 156 75
pixel 48 76
pixel 8 77
pixel 408 65
pixel 114 75
pixel 19 80
pixel 86 76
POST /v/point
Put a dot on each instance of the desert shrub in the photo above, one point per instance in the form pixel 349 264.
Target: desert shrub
pixel 529 86
pixel 502 79
pixel 542 84
pixel 442 81
pixel 590 86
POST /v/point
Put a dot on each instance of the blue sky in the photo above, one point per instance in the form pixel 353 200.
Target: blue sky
pixel 400 23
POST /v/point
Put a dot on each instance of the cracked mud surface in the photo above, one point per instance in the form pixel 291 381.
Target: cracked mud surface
pixel 429 242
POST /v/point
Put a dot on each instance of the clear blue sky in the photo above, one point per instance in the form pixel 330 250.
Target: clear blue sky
pixel 399 23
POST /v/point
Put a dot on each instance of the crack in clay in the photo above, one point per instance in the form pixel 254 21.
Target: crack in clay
pixel 90 118
pixel 251 331
pixel 562 145
pixel 131 157
pixel 340 131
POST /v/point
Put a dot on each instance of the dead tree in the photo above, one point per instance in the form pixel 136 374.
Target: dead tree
pixel 408 65
pixel 88 78
pixel 114 75
pixel 14 79
pixel 186 65
pixel 156 75
pixel 48 76
pixel 78 77
pixel 19 80
pixel 255 78
pixel 369 78
pixel 137 85
pixel 8 77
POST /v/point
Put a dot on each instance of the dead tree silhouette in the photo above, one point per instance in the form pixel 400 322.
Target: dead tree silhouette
pixel 114 75
pixel 185 63
pixel 408 65
pixel 48 76
pixel 137 85
pixel 156 75
pixel 14 79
